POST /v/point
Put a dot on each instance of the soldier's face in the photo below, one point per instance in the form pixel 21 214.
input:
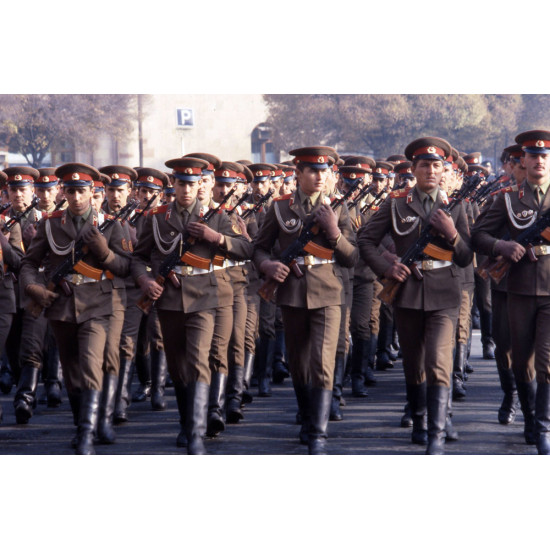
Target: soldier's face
pixel 186 192
pixel 205 188
pixel 220 190
pixel 117 196
pixel 312 181
pixel 78 199
pixel 518 171
pixel 260 188
pixel 428 174
pixel 537 167
pixel 20 197
pixel 46 196
pixel 144 196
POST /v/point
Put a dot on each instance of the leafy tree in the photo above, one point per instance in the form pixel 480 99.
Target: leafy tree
pixel 34 124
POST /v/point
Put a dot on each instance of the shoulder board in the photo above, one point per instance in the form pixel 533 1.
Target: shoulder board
pixel 283 198
pixel 55 214
pixel 158 210
pixel 399 193
pixel 508 189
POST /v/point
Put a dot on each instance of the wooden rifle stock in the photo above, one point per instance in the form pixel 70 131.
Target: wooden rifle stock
pixel 389 290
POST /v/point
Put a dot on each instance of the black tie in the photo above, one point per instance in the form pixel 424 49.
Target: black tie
pixel 185 217
pixel 78 223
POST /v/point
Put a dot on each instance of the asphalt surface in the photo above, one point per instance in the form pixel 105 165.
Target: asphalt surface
pixel 371 425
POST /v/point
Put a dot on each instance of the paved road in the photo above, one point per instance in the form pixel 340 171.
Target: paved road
pixel 370 426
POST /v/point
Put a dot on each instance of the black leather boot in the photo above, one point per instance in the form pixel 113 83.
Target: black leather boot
pixel 508 408
pixel 105 433
pixel 358 388
pixel 181 400
pixel 25 397
pixel 234 394
pixel 406 419
pixel 280 371
pixel 265 364
pixel 527 398
pixel 468 369
pixel 437 398
pixel 6 378
pixel 416 396
pixel 122 399
pixel 487 343
pixel 216 404
pixel 368 369
pixel 158 379
pixel 337 388
pixel 52 383
pixel 303 399
pixel 459 391
pixel 143 369
pixel 197 395
pixel 320 400
pixel 87 422
pixel 542 418
pixel 247 377
pixel 450 432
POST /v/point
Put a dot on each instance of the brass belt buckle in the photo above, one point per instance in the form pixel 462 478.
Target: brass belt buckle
pixel 309 260
pixel 542 250
pixel 427 265
pixel 77 279
pixel 186 270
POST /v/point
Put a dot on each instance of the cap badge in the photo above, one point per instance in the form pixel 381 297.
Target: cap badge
pixel 150 179
pixel 115 176
pixel 409 171
pixel 353 176
pixel 18 177
pixel 75 176
pixel 321 159
pixel 225 174
pixel 431 150
pixel 188 170
pixel 379 170
pixel 540 143
pixel 259 173
pixel 476 160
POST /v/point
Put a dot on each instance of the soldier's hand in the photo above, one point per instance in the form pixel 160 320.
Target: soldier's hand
pixel 242 227
pixel 150 287
pixel 29 233
pixel 275 270
pixel 95 241
pixel 328 221
pixel 203 232
pixel 443 224
pixel 510 250
pixel 390 257
pixel 399 272
pixel 41 295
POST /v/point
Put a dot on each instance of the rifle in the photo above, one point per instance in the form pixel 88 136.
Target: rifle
pixel 134 219
pixel 375 202
pixel 480 195
pixel 244 198
pixel 360 195
pixel 180 253
pixel 60 205
pixel 19 216
pixel 74 262
pixel 5 207
pixel 301 244
pixel 258 205
pixel 527 239
pixel 423 246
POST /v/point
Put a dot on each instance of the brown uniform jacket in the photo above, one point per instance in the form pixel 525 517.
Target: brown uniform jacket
pixel 321 285
pixel 198 292
pixel 513 208
pixel 439 288
pixel 87 300
pixel 12 254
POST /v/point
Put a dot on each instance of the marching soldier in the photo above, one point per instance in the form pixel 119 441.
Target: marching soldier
pixel 425 307
pixel 311 302
pixel 187 303
pixel 79 312
pixel 515 209
pixel 11 254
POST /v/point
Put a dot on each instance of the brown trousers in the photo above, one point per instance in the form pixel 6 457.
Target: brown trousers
pixel 501 329
pixel 81 351
pixel 427 342
pixel 311 337
pixel 464 315
pixel 529 318
pixel 187 338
